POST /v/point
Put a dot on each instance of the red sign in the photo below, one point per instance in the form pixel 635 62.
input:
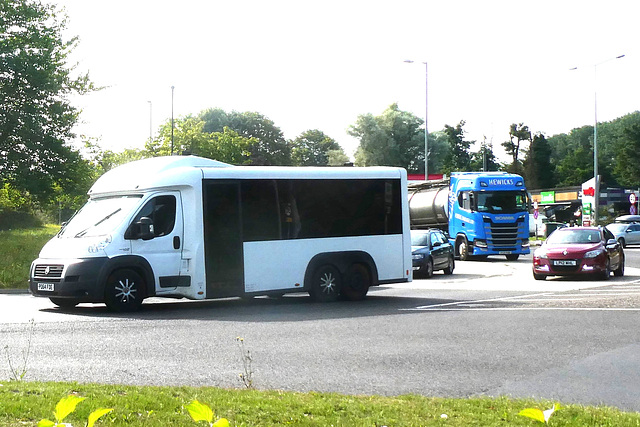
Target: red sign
pixel 589 191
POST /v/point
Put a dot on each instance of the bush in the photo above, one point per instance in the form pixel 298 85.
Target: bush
pixel 10 220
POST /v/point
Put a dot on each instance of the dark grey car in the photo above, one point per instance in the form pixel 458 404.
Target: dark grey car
pixel 431 251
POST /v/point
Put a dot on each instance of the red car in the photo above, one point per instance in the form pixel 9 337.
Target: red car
pixel 573 251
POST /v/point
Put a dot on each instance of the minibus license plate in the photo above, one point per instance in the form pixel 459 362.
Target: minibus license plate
pixel 45 287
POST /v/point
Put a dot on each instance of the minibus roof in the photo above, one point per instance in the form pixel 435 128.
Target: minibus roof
pixel 146 173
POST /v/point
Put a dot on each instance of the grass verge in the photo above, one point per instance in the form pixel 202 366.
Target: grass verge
pixel 18 248
pixel 26 403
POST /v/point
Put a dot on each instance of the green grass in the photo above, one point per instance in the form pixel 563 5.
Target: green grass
pixel 26 403
pixel 18 248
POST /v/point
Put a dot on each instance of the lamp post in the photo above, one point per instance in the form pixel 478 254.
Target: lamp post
pixel 426 110
pixel 150 122
pixel 596 196
pixel 172 88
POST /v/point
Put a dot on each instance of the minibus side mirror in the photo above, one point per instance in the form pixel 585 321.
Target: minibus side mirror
pixel 141 229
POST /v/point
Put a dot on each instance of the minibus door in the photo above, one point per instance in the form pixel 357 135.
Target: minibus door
pixel 223 239
pixel 162 247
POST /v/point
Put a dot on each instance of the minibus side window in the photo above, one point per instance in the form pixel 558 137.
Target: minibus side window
pixel 162 212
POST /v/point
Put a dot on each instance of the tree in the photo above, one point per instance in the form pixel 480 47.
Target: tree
pixel 576 166
pixel 105 160
pixel 271 147
pixel 518 133
pixel 484 159
pixel 627 150
pixel 393 138
pixel 187 133
pixel 312 148
pixel 36 118
pixel 225 146
pixel 457 158
pixel 538 170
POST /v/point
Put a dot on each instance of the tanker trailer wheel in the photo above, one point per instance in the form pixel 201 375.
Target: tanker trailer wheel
pixel 463 249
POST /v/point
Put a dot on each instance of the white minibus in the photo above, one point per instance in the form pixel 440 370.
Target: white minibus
pixel 190 227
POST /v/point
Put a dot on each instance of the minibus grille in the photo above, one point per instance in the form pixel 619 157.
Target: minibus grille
pixel 48 270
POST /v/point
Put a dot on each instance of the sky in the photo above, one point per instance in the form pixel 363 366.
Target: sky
pixel 319 65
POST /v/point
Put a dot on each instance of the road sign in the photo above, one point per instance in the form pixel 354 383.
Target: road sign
pixel 632 210
pixel 632 199
pixel 535 214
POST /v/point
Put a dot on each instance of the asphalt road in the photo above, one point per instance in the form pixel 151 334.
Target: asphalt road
pixel 489 329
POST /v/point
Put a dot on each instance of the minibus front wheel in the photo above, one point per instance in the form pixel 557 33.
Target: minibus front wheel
pixel 124 290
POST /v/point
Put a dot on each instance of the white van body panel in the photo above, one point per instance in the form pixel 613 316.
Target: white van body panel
pixel 263 260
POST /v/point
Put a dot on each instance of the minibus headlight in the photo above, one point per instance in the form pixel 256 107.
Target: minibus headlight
pixel 100 244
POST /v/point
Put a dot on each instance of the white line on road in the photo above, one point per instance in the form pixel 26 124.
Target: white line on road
pixel 523 308
pixel 426 307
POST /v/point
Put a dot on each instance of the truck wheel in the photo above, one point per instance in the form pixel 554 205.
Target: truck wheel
pixel 325 284
pixel 356 283
pixel 66 303
pixel 463 249
pixel 124 291
pixel 512 257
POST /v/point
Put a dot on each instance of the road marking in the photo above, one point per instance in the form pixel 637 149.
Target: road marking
pixel 426 307
pixel 526 308
pixel 483 304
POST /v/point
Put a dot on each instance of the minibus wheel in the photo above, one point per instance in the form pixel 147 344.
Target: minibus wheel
pixel 356 283
pixel 325 284
pixel 64 302
pixel 124 290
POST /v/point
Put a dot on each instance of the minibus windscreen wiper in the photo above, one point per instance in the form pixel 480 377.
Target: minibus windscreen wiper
pixel 83 232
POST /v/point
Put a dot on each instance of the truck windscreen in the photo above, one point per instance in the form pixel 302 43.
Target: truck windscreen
pixel 501 201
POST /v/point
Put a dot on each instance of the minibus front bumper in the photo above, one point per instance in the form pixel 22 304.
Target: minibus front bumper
pixel 76 279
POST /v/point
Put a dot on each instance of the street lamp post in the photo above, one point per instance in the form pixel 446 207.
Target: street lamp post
pixel 426 115
pixel 150 122
pixel 596 196
pixel 172 88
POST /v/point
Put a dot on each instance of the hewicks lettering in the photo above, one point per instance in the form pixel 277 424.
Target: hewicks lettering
pixel 500 181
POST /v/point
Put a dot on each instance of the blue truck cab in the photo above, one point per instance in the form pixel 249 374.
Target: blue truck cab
pixel 488 214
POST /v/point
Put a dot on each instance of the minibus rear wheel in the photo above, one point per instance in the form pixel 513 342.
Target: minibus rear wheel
pixel 124 290
pixel 356 283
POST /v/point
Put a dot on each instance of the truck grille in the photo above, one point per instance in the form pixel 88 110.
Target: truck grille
pixel 48 270
pixel 502 235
